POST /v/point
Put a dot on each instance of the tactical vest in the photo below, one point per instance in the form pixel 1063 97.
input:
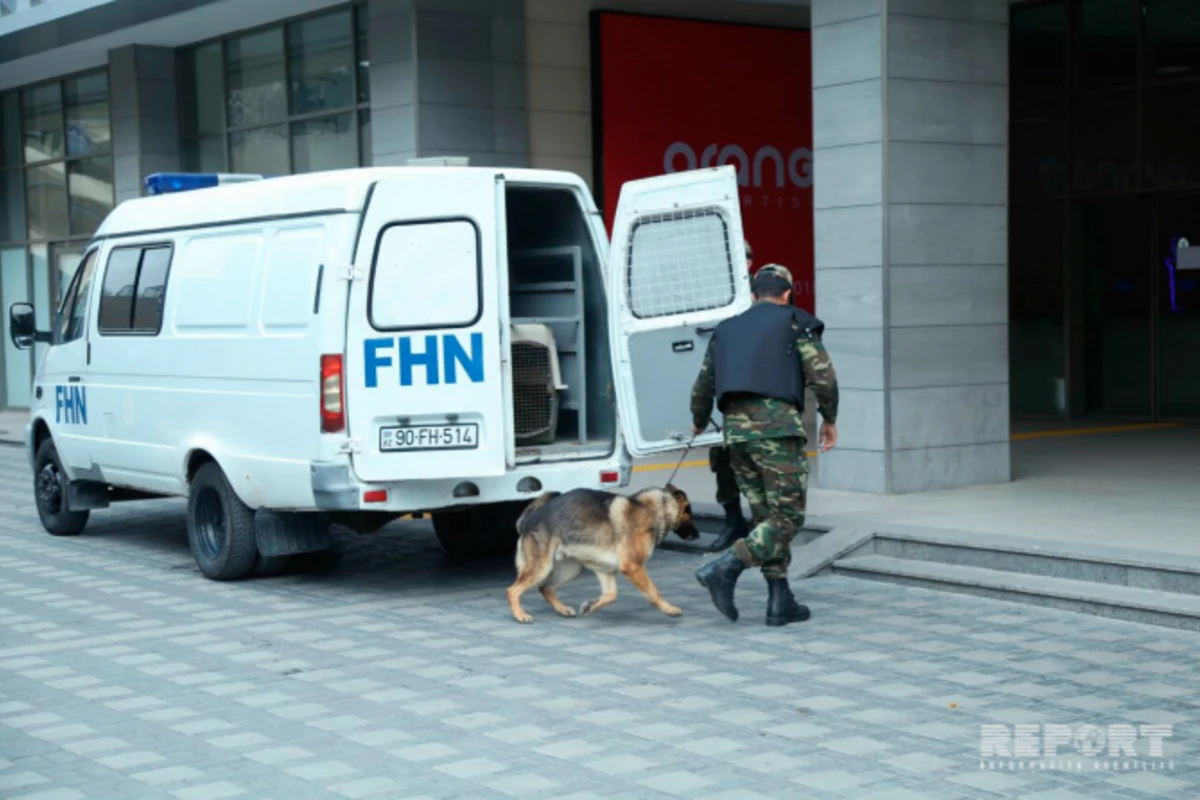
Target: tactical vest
pixel 755 353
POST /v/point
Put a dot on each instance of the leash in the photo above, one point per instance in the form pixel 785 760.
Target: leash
pixel 687 450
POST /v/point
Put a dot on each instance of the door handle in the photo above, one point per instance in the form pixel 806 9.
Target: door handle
pixel 704 331
pixel 73 379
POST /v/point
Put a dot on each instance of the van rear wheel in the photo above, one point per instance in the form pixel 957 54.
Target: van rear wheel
pixel 50 494
pixel 220 527
pixel 478 531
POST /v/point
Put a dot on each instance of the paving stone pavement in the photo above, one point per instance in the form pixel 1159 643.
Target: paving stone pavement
pixel 388 671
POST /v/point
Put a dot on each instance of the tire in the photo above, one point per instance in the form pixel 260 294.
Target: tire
pixel 479 531
pixel 220 527
pixel 50 494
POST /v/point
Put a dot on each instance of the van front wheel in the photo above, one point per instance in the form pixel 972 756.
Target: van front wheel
pixel 50 494
pixel 220 527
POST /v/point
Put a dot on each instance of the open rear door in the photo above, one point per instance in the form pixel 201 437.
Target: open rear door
pixel 424 366
pixel 677 267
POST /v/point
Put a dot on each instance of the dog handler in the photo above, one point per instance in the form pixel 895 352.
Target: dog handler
pixel 757 367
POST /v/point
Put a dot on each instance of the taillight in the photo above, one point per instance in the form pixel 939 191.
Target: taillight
pixel 333 407
pixel 610 477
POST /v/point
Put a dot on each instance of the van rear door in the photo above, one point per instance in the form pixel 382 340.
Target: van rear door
pixel 424 369
pixel 676 268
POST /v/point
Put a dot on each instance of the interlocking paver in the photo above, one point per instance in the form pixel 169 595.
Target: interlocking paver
pixel 388 671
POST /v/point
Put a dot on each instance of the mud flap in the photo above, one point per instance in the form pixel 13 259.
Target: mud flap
pixel 286 533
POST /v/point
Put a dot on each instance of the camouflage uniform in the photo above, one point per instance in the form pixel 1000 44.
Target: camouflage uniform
pixel 767 445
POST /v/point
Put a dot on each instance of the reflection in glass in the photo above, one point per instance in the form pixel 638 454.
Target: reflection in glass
pixel 10 130
pixel 1036 310
pixel 263 151
pixel 91 192
pixel 151 290
pixel 1039 43
pixel 46 201
pixel 1107 44
pixel 1172 39
pixel 1104 144
pixel 206 154
pixel 42 123
pixel 88 130
pixel 116 293
pixel 12 206
pixel 203 81
pixel 321 63
pixel 255 70
pixel 326 143
pixel 18 364
pixel 365 153
pixel 1172 158
pixel 1178 310
pixel 1039 151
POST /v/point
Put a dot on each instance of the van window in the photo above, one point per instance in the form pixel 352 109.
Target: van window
pixel 679 262
pixel 426 275
pixel 72 316
pixel 135 283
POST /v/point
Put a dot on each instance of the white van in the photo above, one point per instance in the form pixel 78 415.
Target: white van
pixel 351 346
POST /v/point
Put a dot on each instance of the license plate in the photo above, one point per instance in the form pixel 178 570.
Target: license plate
pixel 411 438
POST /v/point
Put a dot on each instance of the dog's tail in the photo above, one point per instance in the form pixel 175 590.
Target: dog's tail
pixel 529 516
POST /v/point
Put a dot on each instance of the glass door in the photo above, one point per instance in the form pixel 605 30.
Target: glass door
pixel 1178 317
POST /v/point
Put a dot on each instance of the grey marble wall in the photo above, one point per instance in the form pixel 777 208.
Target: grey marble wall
pixel 910 118
pixel 448 78
pixel 144 115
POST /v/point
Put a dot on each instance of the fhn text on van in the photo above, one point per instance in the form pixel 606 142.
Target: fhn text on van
pixel 439 359
pixel 70 405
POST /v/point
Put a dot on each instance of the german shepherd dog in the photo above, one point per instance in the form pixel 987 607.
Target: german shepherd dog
pixel 560 534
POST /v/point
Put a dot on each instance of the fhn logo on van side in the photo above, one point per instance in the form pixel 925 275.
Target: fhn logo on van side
pixel 70 405
pixel 439 358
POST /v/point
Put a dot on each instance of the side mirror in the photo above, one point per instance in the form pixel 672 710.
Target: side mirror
pixel 21 328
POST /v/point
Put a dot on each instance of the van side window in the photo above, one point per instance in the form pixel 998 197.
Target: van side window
pixel 72 316
pixel 426 275
pixel 135 284
pixel 679 262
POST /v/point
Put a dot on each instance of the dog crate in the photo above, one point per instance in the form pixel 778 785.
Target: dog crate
pixel 537 380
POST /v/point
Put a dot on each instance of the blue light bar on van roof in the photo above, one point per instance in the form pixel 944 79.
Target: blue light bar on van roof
pixel 169 182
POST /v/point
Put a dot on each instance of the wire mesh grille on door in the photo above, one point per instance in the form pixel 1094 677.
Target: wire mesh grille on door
pixel 535 404
pixel 679 262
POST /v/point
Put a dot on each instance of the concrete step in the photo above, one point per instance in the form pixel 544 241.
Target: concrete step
pixel 1111 566
pixel 1132 604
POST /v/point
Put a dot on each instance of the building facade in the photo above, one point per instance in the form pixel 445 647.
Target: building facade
pixel 988 239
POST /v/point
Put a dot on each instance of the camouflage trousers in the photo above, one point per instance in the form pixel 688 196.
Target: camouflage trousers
pixel 773 474
pixel 727 485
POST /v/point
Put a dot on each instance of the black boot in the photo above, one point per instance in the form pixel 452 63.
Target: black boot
pixel 720 577
pixel 735 528
pixel 782 607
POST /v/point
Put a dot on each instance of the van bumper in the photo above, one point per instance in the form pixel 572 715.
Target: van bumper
pixel 335 488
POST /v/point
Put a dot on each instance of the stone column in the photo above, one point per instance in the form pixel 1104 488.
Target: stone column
pixel 910 120
pixel 448 78
pixel 144 114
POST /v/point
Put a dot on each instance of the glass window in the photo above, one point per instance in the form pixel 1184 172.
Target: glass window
pixel 1172 119
pixel 116 297
pixel 402 296
pixel 73 317
pixel 1038 161
pixel 206 154
pixel 326 143
pixel 1039 52
pixel 1104 144
pixel 679 262
pixel 321 63
pixel 42 123
pixel 1107 46
pixel 1172 39
pixel 46 201
pixel 10 130
pixel 18 365
pixel 12 206
pixel 1036 328
pixel 203 81
pixel 263 150
pixel 364 53
pixel 90 182
pixel 365 153
pixel 88 131
pixel 151 290
pixel 255 72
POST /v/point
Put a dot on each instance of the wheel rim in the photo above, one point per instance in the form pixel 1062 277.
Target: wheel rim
pixel 50 489
pixel 210 523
